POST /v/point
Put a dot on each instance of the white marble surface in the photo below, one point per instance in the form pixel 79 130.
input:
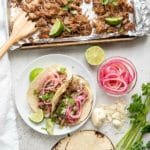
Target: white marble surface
pixel 138 51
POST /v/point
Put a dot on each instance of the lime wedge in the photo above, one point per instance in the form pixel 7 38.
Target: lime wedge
pixel 37 117
pixel 114 21
pixel 95 55
pixel 49 126
pixel 57 28
pixel 34 73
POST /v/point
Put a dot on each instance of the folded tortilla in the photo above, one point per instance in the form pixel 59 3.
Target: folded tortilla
pixel 36 84
pixel 87 106
pixel 84 140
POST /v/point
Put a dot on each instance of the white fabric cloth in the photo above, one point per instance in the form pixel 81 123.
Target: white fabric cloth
pixel 8 131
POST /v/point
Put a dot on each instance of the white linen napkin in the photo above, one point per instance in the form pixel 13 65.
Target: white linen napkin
pixel 8 131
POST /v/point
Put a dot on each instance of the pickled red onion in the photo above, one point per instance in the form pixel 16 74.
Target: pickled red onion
pixel 81 99
pixel 50 83
pixel 71 118
pixel 116 76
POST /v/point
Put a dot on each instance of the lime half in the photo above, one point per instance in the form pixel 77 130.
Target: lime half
pixel 57 28
pixel 49 126
pixel 113 21
pixel 34 73
pixel 37 117
pixel 95 55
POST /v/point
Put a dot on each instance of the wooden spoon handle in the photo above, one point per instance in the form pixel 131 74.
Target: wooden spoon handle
pixel 6 46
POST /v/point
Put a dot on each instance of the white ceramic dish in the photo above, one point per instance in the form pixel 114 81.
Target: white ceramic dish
pixel 23 83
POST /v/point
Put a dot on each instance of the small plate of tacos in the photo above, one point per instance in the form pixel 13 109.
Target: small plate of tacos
pixel 55 94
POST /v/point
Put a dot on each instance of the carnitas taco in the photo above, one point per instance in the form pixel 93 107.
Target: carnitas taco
pixel 75 103
pixel 47 87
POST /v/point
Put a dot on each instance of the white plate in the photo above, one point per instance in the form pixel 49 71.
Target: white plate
pixel 23 84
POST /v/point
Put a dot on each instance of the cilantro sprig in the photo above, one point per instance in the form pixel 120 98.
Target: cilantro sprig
pixel 138 111
pixel 69 100
pixel 62 70
pixel 47 96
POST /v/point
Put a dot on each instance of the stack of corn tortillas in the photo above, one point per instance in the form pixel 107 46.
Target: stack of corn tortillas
pixel 85 140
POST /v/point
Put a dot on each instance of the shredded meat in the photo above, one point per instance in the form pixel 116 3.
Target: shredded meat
pixel 41 22
pixel 45 13
pixel 120 9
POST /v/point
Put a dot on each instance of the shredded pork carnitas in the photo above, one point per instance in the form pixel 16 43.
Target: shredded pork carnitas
pixel 121 8
pixel 46 12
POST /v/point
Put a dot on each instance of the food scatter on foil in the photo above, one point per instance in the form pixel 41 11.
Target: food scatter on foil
pixel 73 20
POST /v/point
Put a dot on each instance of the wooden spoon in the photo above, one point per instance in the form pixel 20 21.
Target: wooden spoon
pixel 22 27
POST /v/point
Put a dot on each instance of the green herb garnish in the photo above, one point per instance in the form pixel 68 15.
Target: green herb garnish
pixel 140 125
pixel 62 70
pixel 70 1
pixel 47 96
pixel 35 92
pixel 66 8
pixel 146 129
pixel 61 108
pixel 69 100
pixel 106 2
pixel 138 146
pixel 148 145
pixel 67 29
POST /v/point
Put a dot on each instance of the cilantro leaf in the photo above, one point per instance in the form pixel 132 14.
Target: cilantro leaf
pixel 136 109
pixel 146 89
pixel 47 96
pixel 69 100
pixel 148 145
pixel 146 129
pixel 106 2
pixel 138 112
pixel 66 8
pixel 138 146
pixel 62 70
pixel 61 108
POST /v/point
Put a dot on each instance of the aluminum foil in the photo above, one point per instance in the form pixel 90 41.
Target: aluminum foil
pixel 141 17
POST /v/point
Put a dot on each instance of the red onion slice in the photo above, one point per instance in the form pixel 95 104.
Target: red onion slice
pixel 71 118
pixel 116 76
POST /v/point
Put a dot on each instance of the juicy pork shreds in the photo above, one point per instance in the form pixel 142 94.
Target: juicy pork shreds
pixel 45 13
pixel 78 25
pixel 121 9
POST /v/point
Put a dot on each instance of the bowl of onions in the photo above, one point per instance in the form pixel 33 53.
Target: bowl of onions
pixel 117 76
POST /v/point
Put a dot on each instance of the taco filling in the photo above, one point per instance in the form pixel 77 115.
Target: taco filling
pixel 47 89
pixel 70 107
